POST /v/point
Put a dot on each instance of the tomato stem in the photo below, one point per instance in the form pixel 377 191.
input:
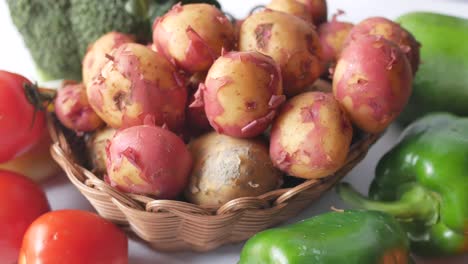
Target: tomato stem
pixel 40 98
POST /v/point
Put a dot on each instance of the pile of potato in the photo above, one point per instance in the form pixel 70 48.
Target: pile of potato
pixel 241 94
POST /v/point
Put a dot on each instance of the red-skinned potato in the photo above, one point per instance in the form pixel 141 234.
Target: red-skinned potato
pixel 148 160
pixel 332 36
pixel 227 168
pixel 372 81
pixel 380 26
pixel 95 57
pixel 317 9
pixel 196 120
pixel 237 26
pixel 138 83
pixel 152 47
pixel 241 93
pixel 311 136
pixel 193 35
pixel 96 147
pixel 290 41
pixel 73 109
pixel 292 7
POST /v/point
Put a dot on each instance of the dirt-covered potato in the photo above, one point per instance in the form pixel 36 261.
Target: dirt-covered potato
pixel 292 7
pixel 332 36
pixel 95 57
pixel 137 84
pixel 380 26
pixel 372 81
pixel 73 110
pixel 193 35
pixel 290 41
pixel 317 9
pixel 96 147
pixel 227 168
pixel 148 160
pixel 241 93
pixel 311 136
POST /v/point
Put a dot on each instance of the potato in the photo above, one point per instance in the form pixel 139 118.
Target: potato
pixel 320 86
pixel 372 81
pixel 193 35
pixel 292 7
pixel 152 47
pixel 311 136
pixel 237 26
pixel 137 84
pixel 290 41
pixel 227 168
pixel 379 26
pixel 96 147
pixel 241 94
pixel 332 36
pixel 317 9
pixel 196 120
pixel 148 160
pixel 95 57
pixel 73 109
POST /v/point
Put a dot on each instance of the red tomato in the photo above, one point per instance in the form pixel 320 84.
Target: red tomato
pixel 73 237
pixel 21 202
pixel 17 132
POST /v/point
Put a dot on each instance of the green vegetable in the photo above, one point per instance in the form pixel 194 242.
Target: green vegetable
pixel 352 237
pixel 441 84
pixel 58 32
pixel 423 182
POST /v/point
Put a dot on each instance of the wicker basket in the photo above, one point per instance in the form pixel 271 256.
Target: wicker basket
pixel 170 225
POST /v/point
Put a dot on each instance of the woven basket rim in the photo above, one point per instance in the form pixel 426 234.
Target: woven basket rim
pixel 84 179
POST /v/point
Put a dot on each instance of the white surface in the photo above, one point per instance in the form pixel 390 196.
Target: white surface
pixel 14 57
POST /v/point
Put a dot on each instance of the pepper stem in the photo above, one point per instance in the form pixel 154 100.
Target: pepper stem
pixel 416 203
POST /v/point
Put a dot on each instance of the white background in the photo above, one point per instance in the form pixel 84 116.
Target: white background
pixel 14 57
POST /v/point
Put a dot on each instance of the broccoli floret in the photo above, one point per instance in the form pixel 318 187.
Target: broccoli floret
pixel 45 28
pixel 58 32
pixel 91 19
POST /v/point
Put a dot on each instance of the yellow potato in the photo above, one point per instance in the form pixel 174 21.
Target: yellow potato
pixel 317 9
pixel 292 7
pixel 95 57
pixel 311 136
pixel 96 146
pixel 242 92
pixel 292 42
pixel 193 35
pixel 227 168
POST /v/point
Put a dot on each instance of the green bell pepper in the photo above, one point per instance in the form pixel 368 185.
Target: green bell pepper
pixel 441 83
pixel 352 237
pixel 423 182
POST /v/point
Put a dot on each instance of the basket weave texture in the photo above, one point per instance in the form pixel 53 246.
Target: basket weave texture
pixel 170 225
